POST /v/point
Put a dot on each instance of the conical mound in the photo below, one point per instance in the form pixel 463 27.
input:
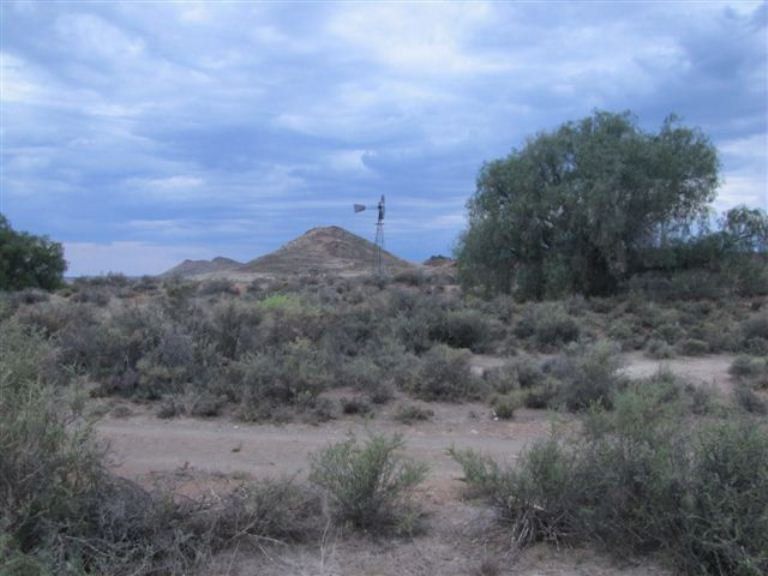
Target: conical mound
pixel 329 249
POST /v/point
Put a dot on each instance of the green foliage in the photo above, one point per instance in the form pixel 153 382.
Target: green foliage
pixel 280 302
pixel 411 414
pixel 588 376
pixel 747 399
pixel 548 325
pixel 693 347
pixel 62 512
pixel 369 484
pixel 640 479
pixel 726 521
pixel 751 369
pixel 573 210
pixel 28 261
pixel 659 349
pixel 481 473
pixel 411 277
pixel 445 375
pixel 293 375
pixel 505 405
pixel 460 329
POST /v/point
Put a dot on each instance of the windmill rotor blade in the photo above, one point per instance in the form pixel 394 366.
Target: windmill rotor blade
pixel 359 207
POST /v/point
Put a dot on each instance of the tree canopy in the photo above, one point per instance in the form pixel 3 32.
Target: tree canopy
pixel 574 209
pixel 29 261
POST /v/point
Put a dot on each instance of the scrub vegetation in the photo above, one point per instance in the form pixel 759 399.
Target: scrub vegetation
pixel 642 466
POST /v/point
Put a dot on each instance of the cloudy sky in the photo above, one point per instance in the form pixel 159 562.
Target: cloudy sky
pixel 142 133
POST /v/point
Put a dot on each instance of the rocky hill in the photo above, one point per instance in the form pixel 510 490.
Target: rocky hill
pixel 330 249
pixel 200 267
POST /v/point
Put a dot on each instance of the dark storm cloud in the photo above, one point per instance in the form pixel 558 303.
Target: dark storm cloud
pixel 143 133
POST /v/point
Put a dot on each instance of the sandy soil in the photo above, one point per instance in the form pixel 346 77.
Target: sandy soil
pixel 210 454
pixel 142 443
pixel 461 538
pixel 704 370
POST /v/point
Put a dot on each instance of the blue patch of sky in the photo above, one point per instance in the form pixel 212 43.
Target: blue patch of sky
pixel 141 133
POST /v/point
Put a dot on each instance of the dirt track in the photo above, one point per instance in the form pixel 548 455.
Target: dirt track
pixel 144 443
pixel 202 453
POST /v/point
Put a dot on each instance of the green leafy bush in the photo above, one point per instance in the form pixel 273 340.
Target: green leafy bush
pixel 748 367
pixel 504 406
pixel 747 399
pixel 460 329
pixel 693 347
pixel 588 375
pixel 369 484
pixel 640 479
pixel 28 261
pixel 232 328
pixel 62 512
pixel 754 332
pixel 445 375
pixel 548 325
pixel 659 349
pixel 411 277
pixel 293 375
pixel 411 414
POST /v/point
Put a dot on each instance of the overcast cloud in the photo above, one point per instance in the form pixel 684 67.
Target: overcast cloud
pixel 142 133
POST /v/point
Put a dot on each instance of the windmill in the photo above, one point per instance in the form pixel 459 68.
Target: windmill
pixel 378 259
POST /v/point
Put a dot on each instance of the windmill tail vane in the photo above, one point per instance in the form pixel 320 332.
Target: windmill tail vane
pixel 378 260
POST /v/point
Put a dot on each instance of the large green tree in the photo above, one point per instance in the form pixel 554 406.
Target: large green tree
pixel 574 209
pixel 29 261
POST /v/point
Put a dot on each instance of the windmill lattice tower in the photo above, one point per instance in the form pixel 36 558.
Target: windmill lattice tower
pixel 378 254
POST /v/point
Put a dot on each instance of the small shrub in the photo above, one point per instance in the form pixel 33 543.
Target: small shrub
pixel 755 327
pixel 640 479
pixel 170 407
pixel 92 295
pixel 747 399
pixel 659 349
pixel 360 373
pixel 280 302
pixel 756 346
pixel 542 396
pixel 205 405
pixel 29 296
pixel 481 473
pixel 318 410
pixel 549 326
pixel 292 376
pixel 748 367
pixel 232 329
pixel 693 347
pixel 411 277
pixel 351 406
pixel 121 411
pixel 216 286
pixel 398 366
pixel 504 406
pixel 626 333
pixel 529 372
pixel 445 375
pixel 412 413
pixel 276 509
pixel 461 329
pixel 502 379
pixel 369 484
pixel 588 375
pixel 725 529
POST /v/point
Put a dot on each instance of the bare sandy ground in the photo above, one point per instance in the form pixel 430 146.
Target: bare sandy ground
pixel 461 539
pixel 142 443
pixel 704 370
